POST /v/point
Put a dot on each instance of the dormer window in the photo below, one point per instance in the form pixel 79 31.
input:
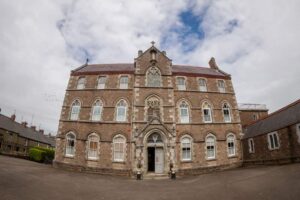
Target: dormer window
pixel 181 83
pixel 221 86
pixel 81 83
pixel 124 82
pixel 101 82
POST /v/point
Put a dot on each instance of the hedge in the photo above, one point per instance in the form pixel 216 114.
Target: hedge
pixel 40 154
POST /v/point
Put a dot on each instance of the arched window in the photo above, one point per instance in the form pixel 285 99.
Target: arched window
pixel 184 112
pixel 226 112
pixel 75 110
pixel 101 82
pixel 186 148
pixel 231 145
pixel 70 145
pixel 206 112
pixel 210 147
pixel 251 145
pixel 119 148
pixel 93 146
pixel 81 83
pixel 121 111
pixel 153 77
pixel 202 85
pixel 97 111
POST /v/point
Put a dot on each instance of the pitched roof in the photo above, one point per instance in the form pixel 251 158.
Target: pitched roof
pixel 8 124
pixel 129 68
pixel 284 117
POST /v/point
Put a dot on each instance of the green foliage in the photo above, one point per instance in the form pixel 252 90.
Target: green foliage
pixel 40 154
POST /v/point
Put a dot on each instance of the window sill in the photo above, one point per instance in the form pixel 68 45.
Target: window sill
pixel 233 156
pixel 274 149
pixel 69 156
pixel 211 159
pixel 186 161
pixel 93 159
pixel 118 162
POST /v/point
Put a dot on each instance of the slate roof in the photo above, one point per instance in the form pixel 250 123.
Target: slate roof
pixel 284 117
pixel 7 123
pixel 129 68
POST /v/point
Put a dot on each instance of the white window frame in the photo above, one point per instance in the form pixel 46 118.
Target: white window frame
pixel 209 110
pixel 179 86
pixel 271 140
pixel 209 144
pixel 231 151
pixel 119 148
pixel 75 115
pixel 220 88
pixel 81 83
pixel 186 155
pixel 124 85
pixel 70 150
pixel 226 107
pixel 120 118
pixel 101 85
pixel 202 88
pixel 184 106
pixel 148 78
pixel 93 154
pixel 251 145
pixel 97 117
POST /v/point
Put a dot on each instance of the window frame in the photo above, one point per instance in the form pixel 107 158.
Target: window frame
pixel 199 85
pixel 93 109
pixel 89 152
pixel 181 87
pixel 210 112
pixel 234 144
pixel 148 78
pixel 272 141
pixel 221 89
pixel 184 148
pixel 123 157
pixel 117 118
pixel 83 83
pixel 73 148
pixel 251 148
pixel 72 111
pixel 214 146
pixel 187 108
pixel 228 108
pixel 103 84
pixel 123 86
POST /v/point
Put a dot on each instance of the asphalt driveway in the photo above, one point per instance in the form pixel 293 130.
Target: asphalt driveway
pixel 22 179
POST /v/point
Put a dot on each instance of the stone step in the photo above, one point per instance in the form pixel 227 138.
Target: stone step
pixel 154 176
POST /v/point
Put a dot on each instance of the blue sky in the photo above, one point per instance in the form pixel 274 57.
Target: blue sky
pixel 43 41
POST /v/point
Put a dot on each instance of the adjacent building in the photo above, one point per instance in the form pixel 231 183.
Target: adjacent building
pixel 16 138
pixel 149 116
pixel 274 138
pixel 250 112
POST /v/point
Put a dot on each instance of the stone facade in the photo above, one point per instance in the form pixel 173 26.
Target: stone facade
pixel 250 113
pixel 165 127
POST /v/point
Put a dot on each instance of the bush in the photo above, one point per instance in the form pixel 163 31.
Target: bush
pixel 40 154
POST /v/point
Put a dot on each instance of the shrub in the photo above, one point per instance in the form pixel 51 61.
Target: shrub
pixel 40 154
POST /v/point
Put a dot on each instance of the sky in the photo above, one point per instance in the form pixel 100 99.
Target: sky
pixel 41 41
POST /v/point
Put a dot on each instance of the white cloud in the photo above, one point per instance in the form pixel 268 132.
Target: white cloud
pixel 42 41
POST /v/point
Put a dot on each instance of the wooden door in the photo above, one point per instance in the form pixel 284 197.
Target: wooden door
pixel 159 160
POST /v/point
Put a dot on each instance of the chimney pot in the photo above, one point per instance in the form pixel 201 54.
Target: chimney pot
pixel 33 128
pixel 140 52
pixel 13 117
pixel 212 63
pixel 41 131
pixel 24 124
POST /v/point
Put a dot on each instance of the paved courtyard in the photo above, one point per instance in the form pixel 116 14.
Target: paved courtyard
pixel 22 179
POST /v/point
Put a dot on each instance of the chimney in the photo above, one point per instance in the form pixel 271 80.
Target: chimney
pixel 13 117
pixel 24 124
pixel 212 63
pixel 140 52
pixel 41 131
pixel 33 128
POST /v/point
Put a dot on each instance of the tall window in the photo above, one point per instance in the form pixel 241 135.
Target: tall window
pixel 121 111
pixel 186 153
pixel 124 82
pixel 184 112
pixel 181 83
pixel 226 112
pixel 97 111
pixel 231 145
pixel 210 147
pixel 206 112
pixel 75 109
pixel 273 140
pixel 70 144
pixel 81 83
pixel 251 145
pixel 153 77
pixel 202 85
pixel 221 86
pixel 119 148
pixel 93 143
pixel 101 82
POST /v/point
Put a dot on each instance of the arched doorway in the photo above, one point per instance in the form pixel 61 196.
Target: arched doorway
pixel 155 153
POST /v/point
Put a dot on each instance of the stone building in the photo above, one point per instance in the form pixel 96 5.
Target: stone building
pixel 16 138
pixel 275 138
pixel 149 116
pixel 251 112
